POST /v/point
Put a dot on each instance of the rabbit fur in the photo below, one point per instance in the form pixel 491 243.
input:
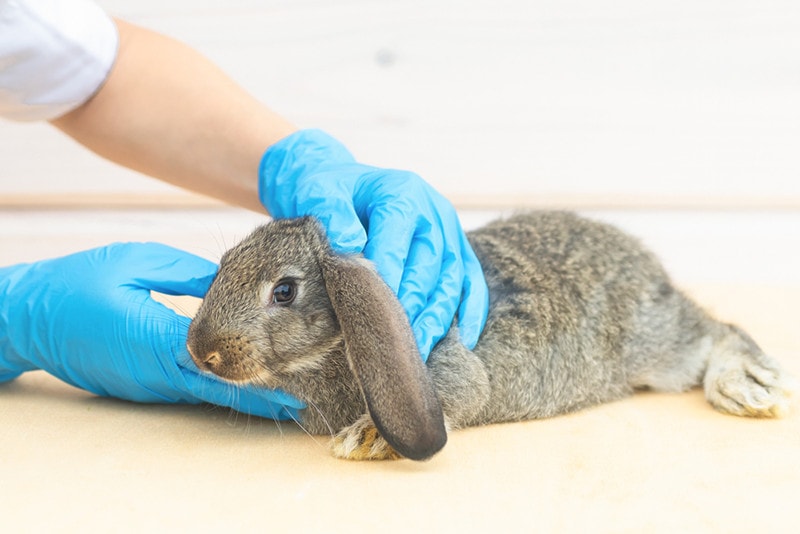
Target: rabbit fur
pixel 580 313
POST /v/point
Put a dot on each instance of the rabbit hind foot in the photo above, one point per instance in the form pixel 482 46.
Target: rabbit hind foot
pixel 748 384
pixel 362 441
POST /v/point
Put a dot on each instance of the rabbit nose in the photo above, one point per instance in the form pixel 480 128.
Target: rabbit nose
pixel 208 361
pixel 212 359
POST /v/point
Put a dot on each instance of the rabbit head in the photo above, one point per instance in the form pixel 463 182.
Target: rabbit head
pixel 283 303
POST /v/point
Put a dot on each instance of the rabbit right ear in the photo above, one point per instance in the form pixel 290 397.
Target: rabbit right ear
pixel 383 355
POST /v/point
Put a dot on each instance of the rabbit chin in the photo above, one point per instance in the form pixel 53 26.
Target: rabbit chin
pixel 259 377
pixel 265 376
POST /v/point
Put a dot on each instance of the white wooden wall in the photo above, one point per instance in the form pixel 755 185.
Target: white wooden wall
pixel 609 102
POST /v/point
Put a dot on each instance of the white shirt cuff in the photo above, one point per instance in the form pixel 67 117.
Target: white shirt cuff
pixel 54 55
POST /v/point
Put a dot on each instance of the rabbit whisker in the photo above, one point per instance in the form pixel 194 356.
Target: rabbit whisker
pixel 306 432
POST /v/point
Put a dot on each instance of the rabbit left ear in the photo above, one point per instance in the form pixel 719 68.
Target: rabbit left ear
pixel 383 355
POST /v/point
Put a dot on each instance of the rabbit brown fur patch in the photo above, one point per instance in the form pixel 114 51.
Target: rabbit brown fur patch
pixel 580 313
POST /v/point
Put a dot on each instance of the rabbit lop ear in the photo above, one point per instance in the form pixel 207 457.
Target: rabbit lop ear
pixel 383 355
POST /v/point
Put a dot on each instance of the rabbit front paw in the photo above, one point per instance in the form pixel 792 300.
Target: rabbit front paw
pixel 747 386
pixel 362 441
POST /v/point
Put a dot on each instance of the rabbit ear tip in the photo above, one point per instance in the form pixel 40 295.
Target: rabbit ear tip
pixel 425 447
pixel 422 441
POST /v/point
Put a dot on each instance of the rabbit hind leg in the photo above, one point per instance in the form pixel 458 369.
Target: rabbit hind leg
pixel 742 380
pixel 671 367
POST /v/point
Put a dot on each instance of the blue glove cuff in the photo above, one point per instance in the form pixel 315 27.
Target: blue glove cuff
pixel 295 156
pixel 12 364
pixel 7 377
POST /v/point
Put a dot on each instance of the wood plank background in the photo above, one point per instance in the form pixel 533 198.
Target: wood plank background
pixel 518 102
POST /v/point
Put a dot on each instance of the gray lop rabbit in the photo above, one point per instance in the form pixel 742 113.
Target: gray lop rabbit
pixel 580 313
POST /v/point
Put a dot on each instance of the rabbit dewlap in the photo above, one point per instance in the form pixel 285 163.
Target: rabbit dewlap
pixel 580 313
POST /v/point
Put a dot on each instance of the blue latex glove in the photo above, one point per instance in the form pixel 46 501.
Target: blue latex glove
pixel 89 319
pixel 401 223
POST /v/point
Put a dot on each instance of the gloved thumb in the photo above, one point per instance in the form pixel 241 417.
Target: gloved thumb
pixel 340 221
pixel 169 270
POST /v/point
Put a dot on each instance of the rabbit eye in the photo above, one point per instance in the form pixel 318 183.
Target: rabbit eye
pixel 284 292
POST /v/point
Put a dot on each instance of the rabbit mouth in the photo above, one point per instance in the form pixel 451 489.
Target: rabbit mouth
pixel 239 368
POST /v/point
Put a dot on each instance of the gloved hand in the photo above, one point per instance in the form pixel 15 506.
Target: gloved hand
pixel 400 222
pixel 89 319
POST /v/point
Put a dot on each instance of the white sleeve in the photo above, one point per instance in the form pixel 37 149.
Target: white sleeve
pixel 54 55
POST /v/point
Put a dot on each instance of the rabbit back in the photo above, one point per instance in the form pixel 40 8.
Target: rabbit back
pixel 580 313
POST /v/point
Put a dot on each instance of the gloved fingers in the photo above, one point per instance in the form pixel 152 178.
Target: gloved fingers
pixel 391 234
pixel 444 282
pixel 421 274
pixel 154 339
pixel 448 285
pixel 345 232
pixel 7 376
pixel 472 298
pixel 272 404
pixel 331 201
pixel 435 319
pixel 407 258
pixel 169 270
pixel 474 306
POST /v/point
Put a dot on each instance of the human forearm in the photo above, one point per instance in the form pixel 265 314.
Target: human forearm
pixel 168 112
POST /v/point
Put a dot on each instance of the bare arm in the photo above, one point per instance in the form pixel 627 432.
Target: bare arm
pixel 168 112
